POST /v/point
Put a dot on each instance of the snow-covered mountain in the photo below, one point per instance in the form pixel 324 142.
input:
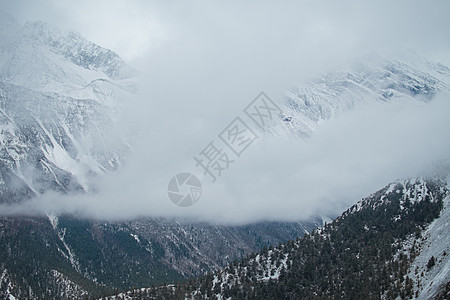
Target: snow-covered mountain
pixel 375 78
pixel 59 96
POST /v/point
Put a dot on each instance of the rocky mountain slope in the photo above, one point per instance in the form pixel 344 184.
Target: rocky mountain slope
pixel 375 78
pixel 59 95
pixel 66 257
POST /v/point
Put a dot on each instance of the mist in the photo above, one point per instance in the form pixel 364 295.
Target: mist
pixel 203 62
pixel 277 178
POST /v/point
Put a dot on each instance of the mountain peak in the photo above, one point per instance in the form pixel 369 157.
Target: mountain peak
pixel 78 50
pixel 405 192
pixel 58 92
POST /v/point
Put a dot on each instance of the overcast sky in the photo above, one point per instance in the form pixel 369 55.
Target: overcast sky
pixel 203 61
pixel 136 29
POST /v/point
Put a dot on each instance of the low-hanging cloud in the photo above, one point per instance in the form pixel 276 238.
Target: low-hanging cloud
pixel 277 178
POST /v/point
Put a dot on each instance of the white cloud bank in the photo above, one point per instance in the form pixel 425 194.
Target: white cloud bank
pixel 276 178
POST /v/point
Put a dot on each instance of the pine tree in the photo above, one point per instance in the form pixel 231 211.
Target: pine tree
pixel 431 262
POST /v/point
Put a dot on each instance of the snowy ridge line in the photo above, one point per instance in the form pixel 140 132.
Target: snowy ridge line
pixel 376 79
pixel 413 190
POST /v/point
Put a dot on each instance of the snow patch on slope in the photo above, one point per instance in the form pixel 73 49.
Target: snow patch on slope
pixel 435 242
pixel 70 256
